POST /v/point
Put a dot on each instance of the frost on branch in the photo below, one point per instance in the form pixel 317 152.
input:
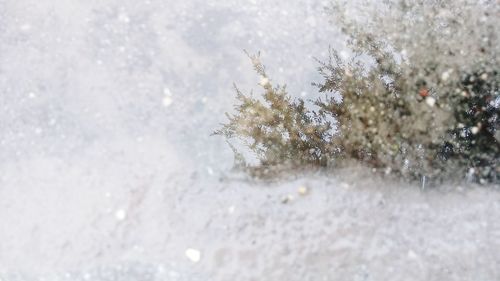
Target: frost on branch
pixel 281 131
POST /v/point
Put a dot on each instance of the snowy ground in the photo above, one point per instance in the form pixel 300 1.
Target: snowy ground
pixel 108 172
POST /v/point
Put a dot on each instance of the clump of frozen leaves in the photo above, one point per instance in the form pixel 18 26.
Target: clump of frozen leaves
pixel 419 96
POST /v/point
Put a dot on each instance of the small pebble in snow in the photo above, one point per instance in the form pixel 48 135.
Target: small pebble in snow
pixel 193 255
pixel 167 97
pixel 167 101
pixel 287 199
pixel 120 214
pixel 430 101
pixel 303 190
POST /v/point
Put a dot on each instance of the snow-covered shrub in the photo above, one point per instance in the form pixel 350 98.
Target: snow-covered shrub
pixel 279 130
pixel 419 96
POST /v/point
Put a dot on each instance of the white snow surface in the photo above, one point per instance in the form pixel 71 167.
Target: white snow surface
pixel 108 171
